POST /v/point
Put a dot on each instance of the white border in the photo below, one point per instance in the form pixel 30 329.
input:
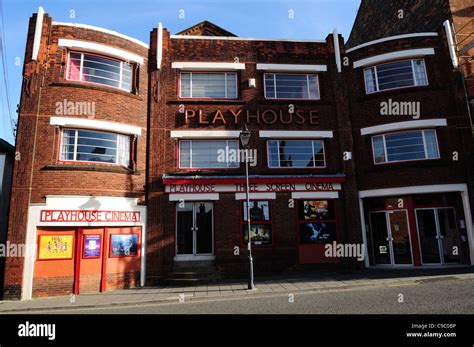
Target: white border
pixel 393 55
pixel 159 46
pixel 234 38
pixel 107 31
pixel 96 124
pixel 440 188
pixel 196 134
pixel 390 38
pixel 101 49
pixel 206 66
pixel 38 32
pixel 337 50
pixel 256 196
pixel 451 45
pixel 285 134
pixel 194 197
pixel 292 67
pixel 74 202
pixel 315 195
pixel 412 124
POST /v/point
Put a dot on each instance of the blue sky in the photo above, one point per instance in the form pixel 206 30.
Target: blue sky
pixel 313 19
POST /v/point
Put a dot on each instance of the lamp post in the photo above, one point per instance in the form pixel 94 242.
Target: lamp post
pixel 244 141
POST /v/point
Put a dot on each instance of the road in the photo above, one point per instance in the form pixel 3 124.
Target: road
pixel 449 296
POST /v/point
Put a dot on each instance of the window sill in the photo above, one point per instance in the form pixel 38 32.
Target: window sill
pixel 207 101
pixel 95 87
pixel 400 91
pixel 433 163
pixel 97 168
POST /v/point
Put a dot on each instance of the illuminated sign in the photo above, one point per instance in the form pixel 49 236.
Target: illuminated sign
pixel 254 187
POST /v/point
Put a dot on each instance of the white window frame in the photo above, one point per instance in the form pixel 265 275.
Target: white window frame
pixel 412 60
pixel 208 72
pixel 294 74
pixel 292 167
pixel 81 80
pixel 93 162
pixel 402 161
pixel 207 167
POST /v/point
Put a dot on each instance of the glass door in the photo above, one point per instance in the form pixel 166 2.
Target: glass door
pixel 437 230
pixel 390 237
pixel 194 228
pixel 400 237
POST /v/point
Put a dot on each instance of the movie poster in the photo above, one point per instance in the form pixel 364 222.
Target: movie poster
pixel 317 210
pixel 259 211
pixel 55 247
pixel 317 233
pixel 92 246
pixel 124 245
pixel 261 234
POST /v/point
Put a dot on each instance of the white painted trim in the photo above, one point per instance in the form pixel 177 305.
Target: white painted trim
pixel 451 44
pixel 74 202
pixel 206 66
pixel 192 257
pixel 390 38
pixel 194 197
pixel 196 134
pixel 364 234
pixel 96 125
pixel 337 50
pixel 159 46
pixel 38 32
pixel 428 189
pixel 315 195
pixel 284 134
pixel 437 188
pixel 101 49
pixel 256 196
pixel 233 38
pixel 411 124
pixel 292 67
pixel 107 31
pixel 394 55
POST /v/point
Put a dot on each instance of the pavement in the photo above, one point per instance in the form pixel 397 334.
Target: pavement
pixel 237 289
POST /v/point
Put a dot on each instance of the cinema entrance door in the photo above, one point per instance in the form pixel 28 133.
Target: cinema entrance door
pixel 194 231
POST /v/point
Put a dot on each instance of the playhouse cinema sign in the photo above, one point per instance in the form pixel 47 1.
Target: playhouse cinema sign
pixel 267 116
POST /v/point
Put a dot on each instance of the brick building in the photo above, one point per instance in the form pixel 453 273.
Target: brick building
pixel 363 145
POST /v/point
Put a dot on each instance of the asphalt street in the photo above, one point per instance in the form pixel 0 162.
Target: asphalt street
pixel 436 296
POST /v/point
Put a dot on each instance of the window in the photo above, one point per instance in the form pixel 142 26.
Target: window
pixel 405 146
pixel 260 223
pixel 399 74
pixel 213 85
pixel 95 146
pixel 208 154
pixel 286 86
pixel 96 69
pixel 316 221
pixel 295 153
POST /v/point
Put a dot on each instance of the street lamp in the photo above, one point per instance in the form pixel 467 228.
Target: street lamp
pixel 244 141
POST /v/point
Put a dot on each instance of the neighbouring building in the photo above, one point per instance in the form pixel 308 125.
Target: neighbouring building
pixel 132 171
pixel 7 153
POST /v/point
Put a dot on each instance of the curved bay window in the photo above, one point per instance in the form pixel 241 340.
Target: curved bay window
pixel 95 146
pixel 96 69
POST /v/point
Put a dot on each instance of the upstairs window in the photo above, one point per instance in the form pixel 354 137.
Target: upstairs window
pixel 399 74
pixel 208 154
pixel 211 85
pixel 405 146
pixel 291 86
pixel 95 146
pixel 296 154
pixel 101 70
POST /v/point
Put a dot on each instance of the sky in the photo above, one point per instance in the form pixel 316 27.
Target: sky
pixel 291 19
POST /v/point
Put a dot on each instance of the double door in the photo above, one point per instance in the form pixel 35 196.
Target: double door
pixel 391 237
pixel 438 234
pixel 194 230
